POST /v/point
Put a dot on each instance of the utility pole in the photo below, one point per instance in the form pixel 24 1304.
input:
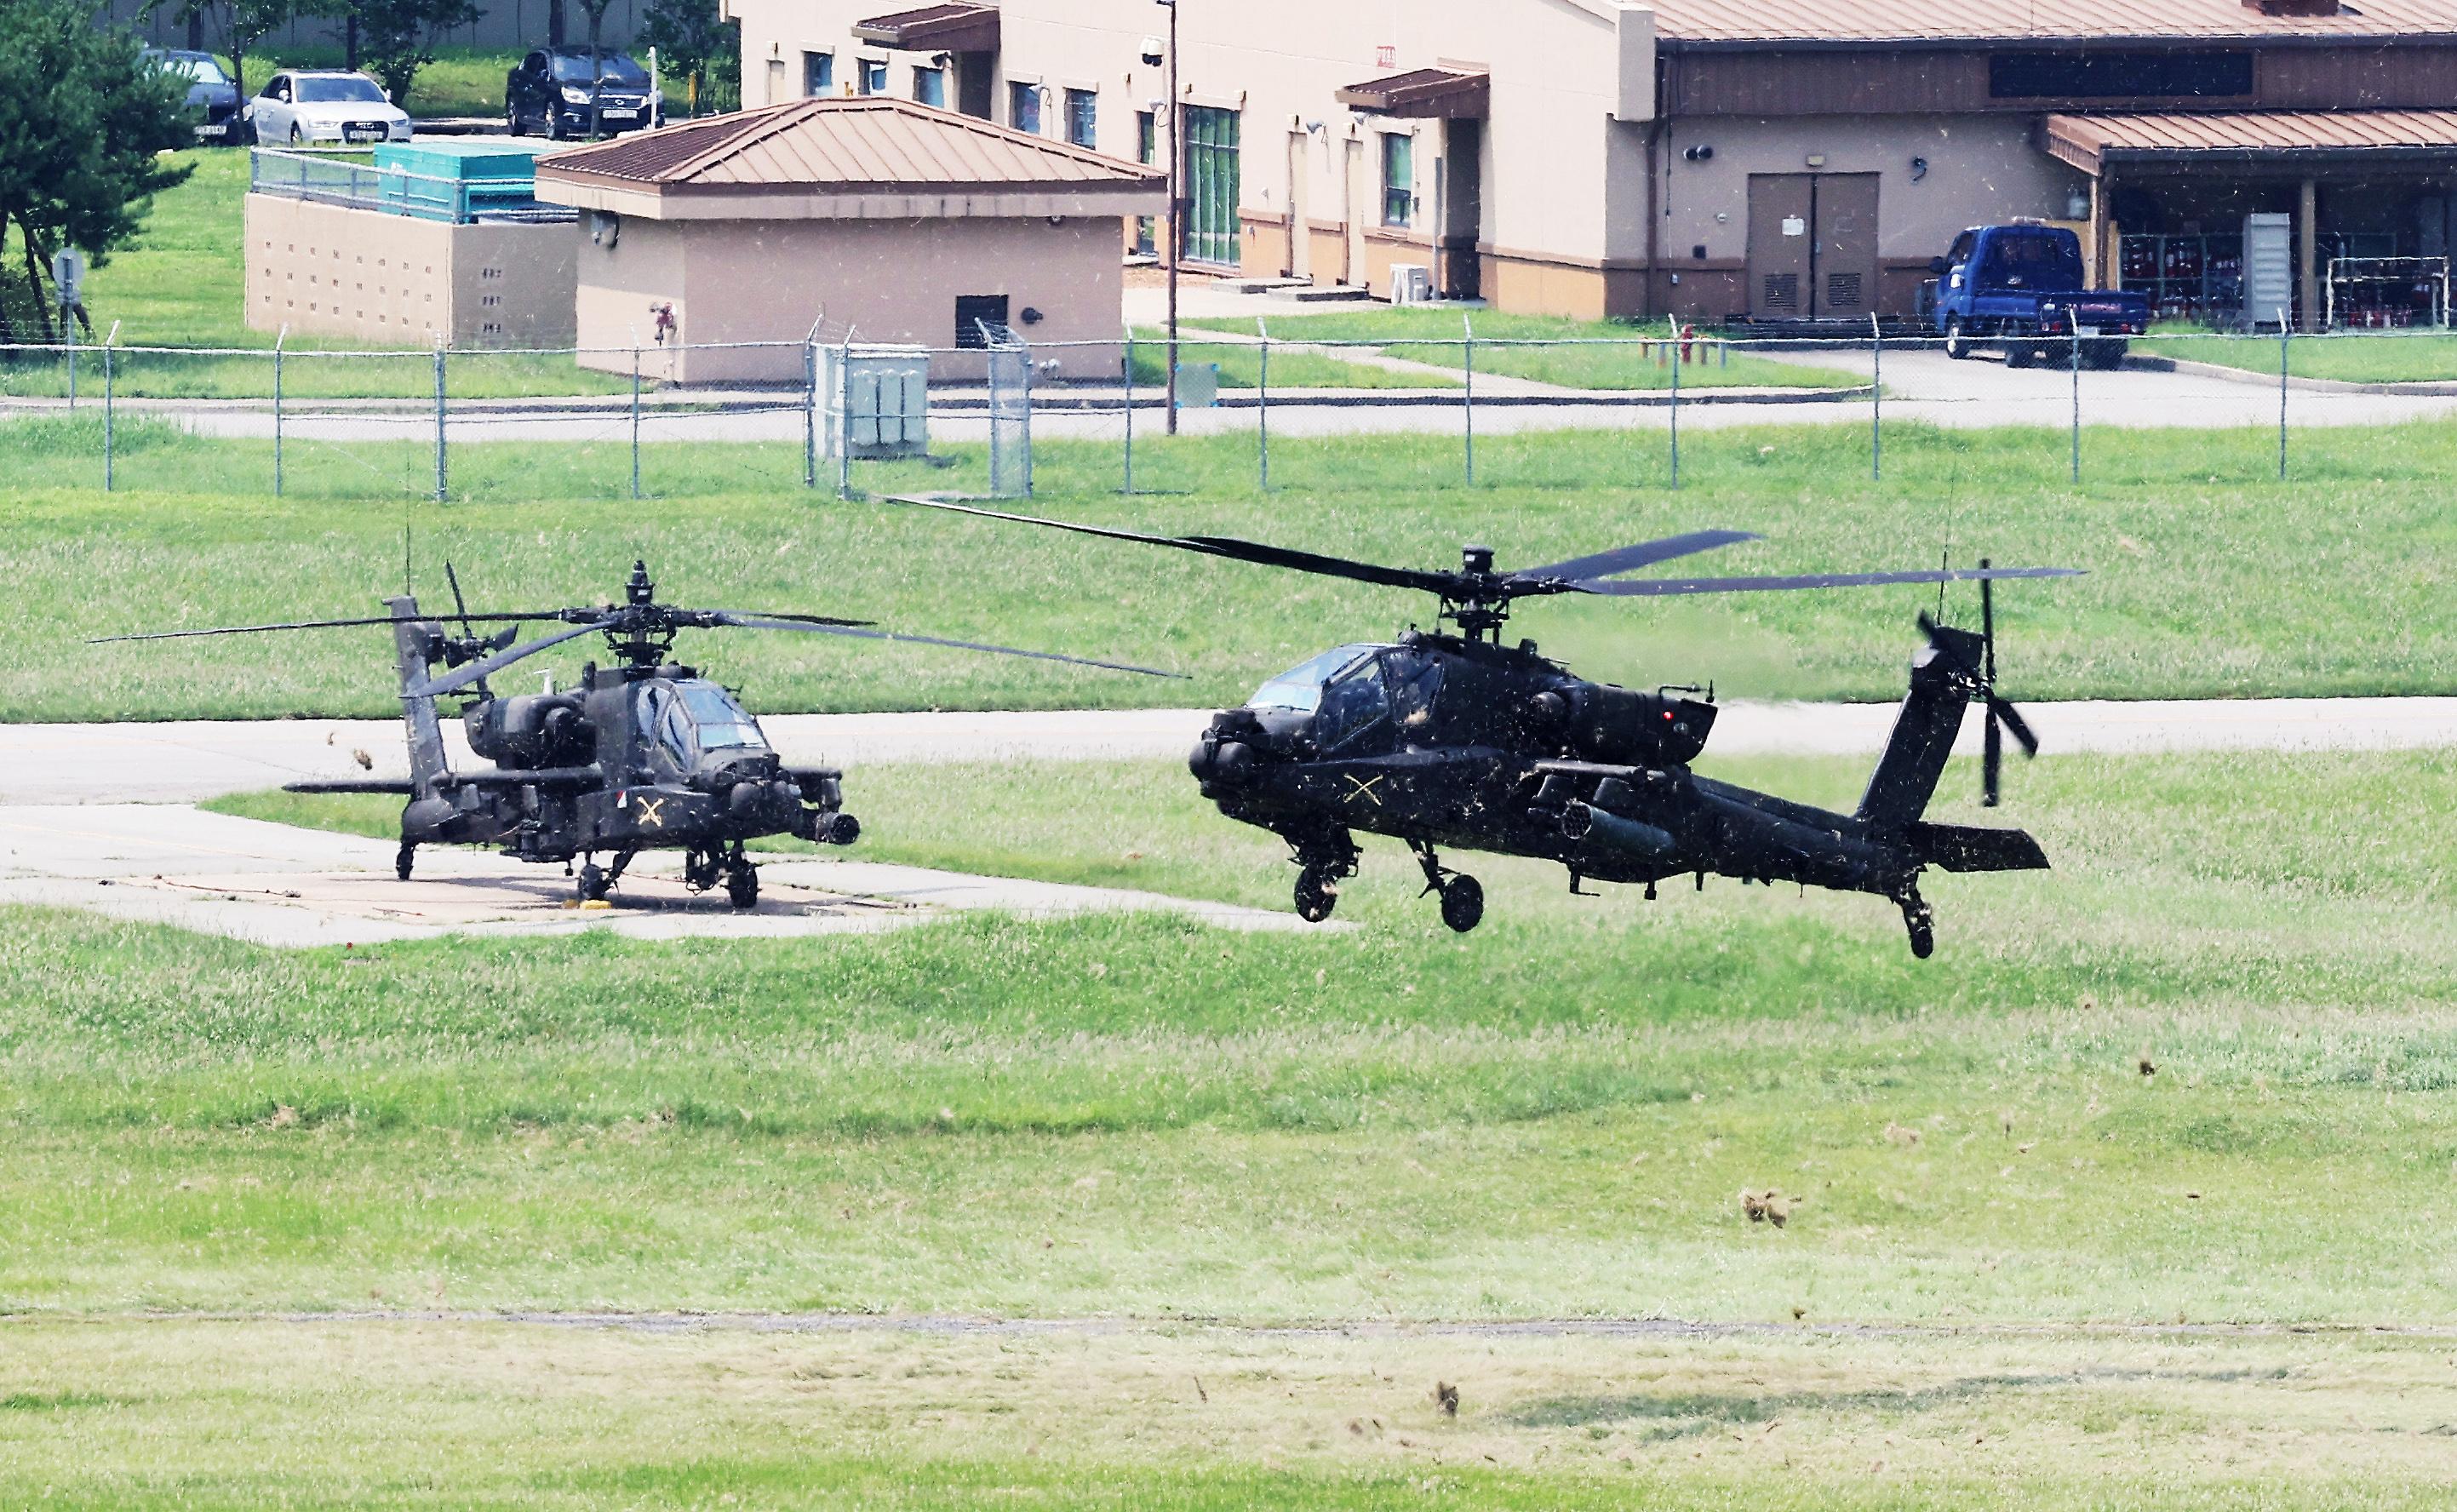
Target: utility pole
pixel 1176 202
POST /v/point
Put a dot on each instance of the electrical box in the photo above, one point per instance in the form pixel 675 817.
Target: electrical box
pixel 876 399
pixel 1411 283
pixel 2269 266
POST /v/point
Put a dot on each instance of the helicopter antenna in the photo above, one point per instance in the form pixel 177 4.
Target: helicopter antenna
pixel 461 605
pixel 1945 569
pixel 406 591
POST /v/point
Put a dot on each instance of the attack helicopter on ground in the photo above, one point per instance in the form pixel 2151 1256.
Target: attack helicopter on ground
pixel 643 755
pixel 1456 739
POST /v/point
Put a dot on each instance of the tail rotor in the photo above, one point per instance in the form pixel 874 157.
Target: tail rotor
pixel 1977 665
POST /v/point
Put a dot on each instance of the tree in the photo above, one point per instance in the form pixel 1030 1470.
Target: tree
pixel 597 11
pixel 692 41
pixel 83 122
pixel 398 37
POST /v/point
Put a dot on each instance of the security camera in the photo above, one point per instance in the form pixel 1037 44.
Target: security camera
pixel 1152 52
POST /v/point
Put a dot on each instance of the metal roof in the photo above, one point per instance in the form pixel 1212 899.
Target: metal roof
pixel 2088 141
pixel 1932 22
pixel 962 28
pixel 846 146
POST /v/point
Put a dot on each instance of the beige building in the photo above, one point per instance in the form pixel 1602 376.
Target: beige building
pixel 325 267
pixel 1776 159
pixel 878 220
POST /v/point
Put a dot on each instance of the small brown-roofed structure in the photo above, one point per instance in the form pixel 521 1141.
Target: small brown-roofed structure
pixel 1749 23
pixel 1422 95
pixel 2090 142
pixel 873 217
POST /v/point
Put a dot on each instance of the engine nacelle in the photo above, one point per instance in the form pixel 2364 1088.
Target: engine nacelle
pixel 531 730
pixel 1619 726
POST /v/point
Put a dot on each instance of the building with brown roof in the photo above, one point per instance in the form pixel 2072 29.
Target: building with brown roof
pixel 877 220
pixel 1779 160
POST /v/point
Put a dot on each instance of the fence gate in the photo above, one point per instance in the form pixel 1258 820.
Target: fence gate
pixel 1010 363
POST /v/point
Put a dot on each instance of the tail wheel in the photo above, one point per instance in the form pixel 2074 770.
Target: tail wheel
pixel 404 859
pixel 1920 922
pixel 742 885
pixel 1957 344
pixel 1317 894
pixel 1462 902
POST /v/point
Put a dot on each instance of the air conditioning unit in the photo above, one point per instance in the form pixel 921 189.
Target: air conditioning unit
pixel 1411 283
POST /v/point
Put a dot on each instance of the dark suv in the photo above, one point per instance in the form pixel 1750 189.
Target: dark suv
pixel 554 89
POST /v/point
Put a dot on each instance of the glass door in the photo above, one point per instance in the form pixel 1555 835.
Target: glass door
pixel 1212 229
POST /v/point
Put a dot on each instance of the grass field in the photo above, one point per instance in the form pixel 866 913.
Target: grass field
pixel 2387 358
pixel 200 1415
pixel 2183 536
pixel 1241 365
pixel 1437 336
pixel 1140 1116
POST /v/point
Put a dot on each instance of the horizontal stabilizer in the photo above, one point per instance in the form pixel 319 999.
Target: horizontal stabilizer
pixel 398 786
pixel 1970 848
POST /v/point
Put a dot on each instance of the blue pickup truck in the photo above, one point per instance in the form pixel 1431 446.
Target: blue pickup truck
pixel 2019 288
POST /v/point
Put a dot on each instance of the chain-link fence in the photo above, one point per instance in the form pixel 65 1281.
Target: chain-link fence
pixel 1246 408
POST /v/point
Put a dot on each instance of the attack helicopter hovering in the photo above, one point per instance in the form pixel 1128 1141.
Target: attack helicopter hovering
pixel 645 755
pixel 1456 739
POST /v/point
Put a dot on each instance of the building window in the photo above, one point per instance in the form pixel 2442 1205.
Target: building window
pixel 1398 180
pixel 1082 117
pixel 1024 107
pixel 1211 186
pixel 874 77
pixel 2118 75
pixel 930 87
pixel 818 74
pixel 1146 150
pixel 974 311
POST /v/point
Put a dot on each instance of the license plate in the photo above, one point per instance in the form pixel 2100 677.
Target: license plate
pixel 2090 330
pixel 618 116
pixel 364 133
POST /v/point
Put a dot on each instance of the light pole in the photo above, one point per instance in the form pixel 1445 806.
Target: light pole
pixel 1176 196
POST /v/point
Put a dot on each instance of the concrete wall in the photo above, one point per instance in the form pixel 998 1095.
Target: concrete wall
pixel 875 280
pixel 396 280
pixel 1310 169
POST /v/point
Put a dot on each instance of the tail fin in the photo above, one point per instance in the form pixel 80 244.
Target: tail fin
pixel 1925 728
pixel 413 643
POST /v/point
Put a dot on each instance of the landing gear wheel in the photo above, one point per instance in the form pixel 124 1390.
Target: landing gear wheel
pixel 1317 894
pixel 592 883
pixel 742 885
pixel 1921 923
pixel 404 859
pixel 1957 346
pixel 1462 902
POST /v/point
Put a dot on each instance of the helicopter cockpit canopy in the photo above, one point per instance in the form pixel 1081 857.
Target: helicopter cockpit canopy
pixel 690 717
pixel 1299 689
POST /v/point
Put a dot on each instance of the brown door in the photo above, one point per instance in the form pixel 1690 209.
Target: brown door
pixel 1300 179
pixel 1812 246
pixel 1846 248
pixel 1783 265
pixel 1354 186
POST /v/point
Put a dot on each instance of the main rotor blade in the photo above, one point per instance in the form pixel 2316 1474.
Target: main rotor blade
pixel 754 623
pixel 1227 546
pixel 297 624
pixel 1645 553
pixel 478 670
pixel 1657 587
pixel 730 614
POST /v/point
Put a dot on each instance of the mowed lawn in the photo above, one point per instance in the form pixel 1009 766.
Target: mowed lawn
pixel 2355 357
pixel 2201 1070
pixel 2206 576
pixel 1571 354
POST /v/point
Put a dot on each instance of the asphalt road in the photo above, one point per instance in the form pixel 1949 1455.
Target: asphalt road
pixel 190 761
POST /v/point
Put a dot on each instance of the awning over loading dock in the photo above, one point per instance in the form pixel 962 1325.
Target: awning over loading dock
pixel 934 29
pixel 2093 143
pixel 1422 95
